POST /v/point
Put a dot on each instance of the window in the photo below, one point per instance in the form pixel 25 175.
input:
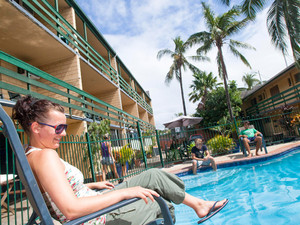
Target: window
pixel 260 97
pixel 297 77
pixel 253 101
pixel 274 90
pixel 21 71
pixel 25 73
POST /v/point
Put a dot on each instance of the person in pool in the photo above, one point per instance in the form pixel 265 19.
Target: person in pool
pixel 250 134
pixel 68 197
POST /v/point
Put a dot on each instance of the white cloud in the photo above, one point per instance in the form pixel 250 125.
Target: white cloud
pixel 137 30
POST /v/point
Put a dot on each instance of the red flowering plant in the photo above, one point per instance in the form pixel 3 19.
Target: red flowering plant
pixel 285 120
pixel 295 120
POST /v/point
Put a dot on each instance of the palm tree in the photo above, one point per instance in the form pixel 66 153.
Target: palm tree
pixel 220 29
pixel 250 80
pixel 202 84
pixel 179 62
pixel 178 114
pixel 283 21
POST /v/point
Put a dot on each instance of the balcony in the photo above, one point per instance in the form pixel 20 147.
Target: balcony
pixel 79 105
pixel 290 96
pixel 71 33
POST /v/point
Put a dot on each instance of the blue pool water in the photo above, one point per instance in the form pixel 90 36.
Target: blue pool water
pixel 261 193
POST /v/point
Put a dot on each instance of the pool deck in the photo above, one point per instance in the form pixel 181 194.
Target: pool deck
pixel 236 158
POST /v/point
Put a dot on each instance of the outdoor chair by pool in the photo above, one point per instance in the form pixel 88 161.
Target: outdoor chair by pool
pixel 243 149
pixel 34 195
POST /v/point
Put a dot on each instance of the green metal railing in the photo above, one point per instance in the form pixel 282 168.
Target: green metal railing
pixel 45 12
pixel 132 93
pixel 291 94
pixel 75 100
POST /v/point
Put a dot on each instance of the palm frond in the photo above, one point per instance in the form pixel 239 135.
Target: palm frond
pixel 251 7
pixel 241 44
pixel 193 68
pixel 226 2
pixel 208 16
pixel 276 26
pixel 199 58
pixel 236 53
pixel 198 38
pixel 236 26
pixel 207 46
pixel 171 73
pixel 292 21
pixel 164 52
pixel 228 17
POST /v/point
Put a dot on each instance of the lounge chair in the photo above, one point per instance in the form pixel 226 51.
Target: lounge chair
pixel 243 149
pixel 8 181
pixel 34 195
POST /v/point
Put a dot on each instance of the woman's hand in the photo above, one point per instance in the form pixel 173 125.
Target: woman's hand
pixel 101 185
pixel 139 192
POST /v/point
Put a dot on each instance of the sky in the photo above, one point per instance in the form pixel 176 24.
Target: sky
pixel 138 29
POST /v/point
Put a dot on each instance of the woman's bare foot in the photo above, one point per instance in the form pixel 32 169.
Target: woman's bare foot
pixel 249 155
pixel 258 154
pixel 205 206
pixel 200 206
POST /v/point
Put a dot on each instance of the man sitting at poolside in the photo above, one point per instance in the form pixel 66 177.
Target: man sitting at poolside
pixel 250 134
pixel 198 155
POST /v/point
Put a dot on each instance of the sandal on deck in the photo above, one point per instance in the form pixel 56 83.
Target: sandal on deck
pixel 213 211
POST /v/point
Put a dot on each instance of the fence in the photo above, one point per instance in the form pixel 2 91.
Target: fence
pixel 137 151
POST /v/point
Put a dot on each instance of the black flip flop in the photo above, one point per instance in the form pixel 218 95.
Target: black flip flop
pixel 213 212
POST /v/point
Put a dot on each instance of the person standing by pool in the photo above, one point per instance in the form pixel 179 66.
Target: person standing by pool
pixel 248 135
pixel 107 158
pixel 201 156
pixel 63 187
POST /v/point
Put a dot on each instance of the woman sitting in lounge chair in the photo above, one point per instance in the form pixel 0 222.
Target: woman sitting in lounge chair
pixel 62 185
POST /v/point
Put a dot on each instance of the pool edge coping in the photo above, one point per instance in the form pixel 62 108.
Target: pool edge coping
pixel 243 161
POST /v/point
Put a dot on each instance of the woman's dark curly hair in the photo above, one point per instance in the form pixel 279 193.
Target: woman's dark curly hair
pixel 29 109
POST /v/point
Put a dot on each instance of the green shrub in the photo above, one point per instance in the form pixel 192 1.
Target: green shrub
pixel 125 154
pixel 190 146
pixel 220 144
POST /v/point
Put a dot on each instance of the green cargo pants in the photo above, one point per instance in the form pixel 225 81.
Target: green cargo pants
pixel 167 185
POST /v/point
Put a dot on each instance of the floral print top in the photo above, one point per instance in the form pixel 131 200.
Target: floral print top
pixel 75 179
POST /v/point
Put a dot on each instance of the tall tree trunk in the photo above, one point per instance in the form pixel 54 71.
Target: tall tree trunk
pixel 181 88
pixel 225 82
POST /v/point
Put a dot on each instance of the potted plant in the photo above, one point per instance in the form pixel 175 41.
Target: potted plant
pixel 138 158
pixel 123 156
pixel 149 151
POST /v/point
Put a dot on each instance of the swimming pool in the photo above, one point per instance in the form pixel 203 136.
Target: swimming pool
pixel 260 193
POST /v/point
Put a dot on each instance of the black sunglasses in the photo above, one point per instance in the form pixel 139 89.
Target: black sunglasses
pixel 58 128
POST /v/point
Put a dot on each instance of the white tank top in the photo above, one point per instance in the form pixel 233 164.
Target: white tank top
pixel 75 179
